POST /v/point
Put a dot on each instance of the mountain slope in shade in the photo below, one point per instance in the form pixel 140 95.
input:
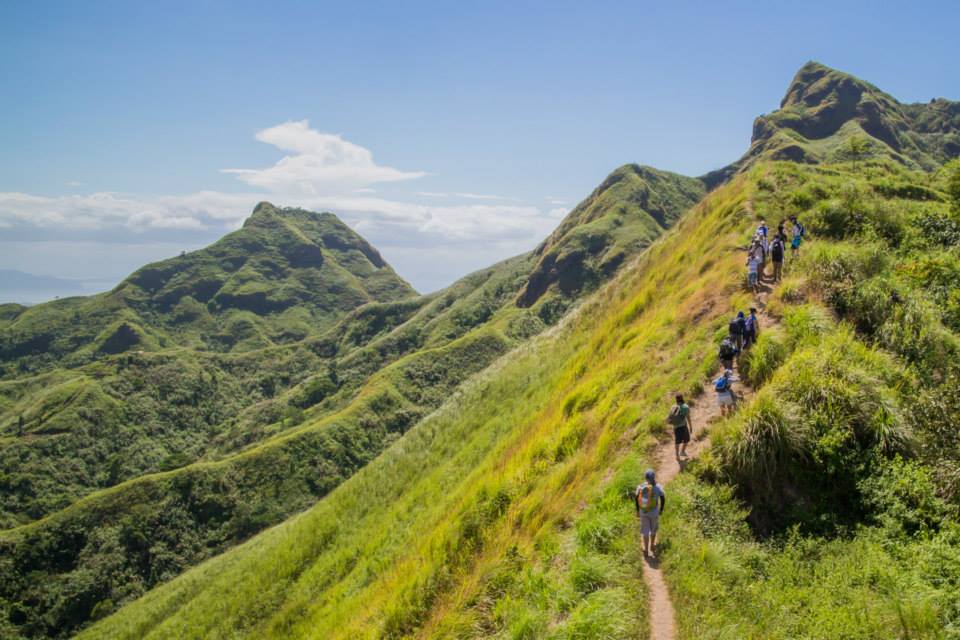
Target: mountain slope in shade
pixel 632 206
pixel 824 109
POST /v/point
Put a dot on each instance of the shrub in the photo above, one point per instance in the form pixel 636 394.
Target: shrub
pixel 902 498
pixel 759 363
pixel 767 442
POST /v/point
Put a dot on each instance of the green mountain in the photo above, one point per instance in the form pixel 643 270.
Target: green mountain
pixel 830 116
pixel 124 466
pixel 827 507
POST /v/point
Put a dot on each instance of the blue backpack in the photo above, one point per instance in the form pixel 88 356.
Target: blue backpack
pixel 721 384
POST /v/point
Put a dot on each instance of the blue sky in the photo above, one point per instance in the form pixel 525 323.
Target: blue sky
pixel 120 118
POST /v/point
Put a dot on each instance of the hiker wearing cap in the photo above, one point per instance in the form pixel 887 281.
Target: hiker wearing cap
pixel 679 418
pixel 650 502
pixel 724 388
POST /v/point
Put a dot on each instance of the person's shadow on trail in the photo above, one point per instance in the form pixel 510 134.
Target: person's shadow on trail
pixel 652 561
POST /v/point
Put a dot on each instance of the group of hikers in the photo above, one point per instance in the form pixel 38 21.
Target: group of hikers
pixel 764 247
pixel 742 332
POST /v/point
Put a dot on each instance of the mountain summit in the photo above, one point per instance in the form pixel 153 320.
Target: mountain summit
pixel 828 115
pixel 286 273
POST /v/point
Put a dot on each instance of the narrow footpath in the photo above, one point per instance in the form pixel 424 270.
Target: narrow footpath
pixel 704 411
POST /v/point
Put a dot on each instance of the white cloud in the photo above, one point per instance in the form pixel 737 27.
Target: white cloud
pixel 558 212
pixel 553 200
pixel 319 163
pixel 211 209
pixel 460 194
pixel 75 183
pixel 436 240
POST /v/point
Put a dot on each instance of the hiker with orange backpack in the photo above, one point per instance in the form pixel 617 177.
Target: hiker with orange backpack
pixel 650 501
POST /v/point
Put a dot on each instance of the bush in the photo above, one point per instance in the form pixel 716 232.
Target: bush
pixel 760 362
pixel 902 498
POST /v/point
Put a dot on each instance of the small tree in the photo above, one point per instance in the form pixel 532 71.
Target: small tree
pixel 857 148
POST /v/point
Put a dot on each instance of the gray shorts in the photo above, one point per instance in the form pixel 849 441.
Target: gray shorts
pixel 725 399
pixel 649 522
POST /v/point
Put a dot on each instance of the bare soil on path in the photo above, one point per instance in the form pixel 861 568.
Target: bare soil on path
pixel 704 411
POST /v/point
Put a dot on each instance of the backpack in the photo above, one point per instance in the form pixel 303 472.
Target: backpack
pixel 647 498
pixel 727 349
pixel 777 250
pixel 734 328
pixel 750 324
pixel 721 384
pixel 678 416
pixel 802 230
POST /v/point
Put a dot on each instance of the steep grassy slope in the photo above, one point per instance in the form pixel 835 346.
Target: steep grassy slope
pixel 507 513
pixel 831 505
pixel 320 409
pixel 830 116
pixel 624 214
pixel 506 488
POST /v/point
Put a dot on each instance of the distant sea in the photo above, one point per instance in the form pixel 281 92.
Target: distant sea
pixel 28 289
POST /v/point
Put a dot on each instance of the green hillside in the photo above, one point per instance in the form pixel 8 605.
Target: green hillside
pixel 507 512
pixel 182 451
pixel 831 116
pixel 827 508
pixel 102 389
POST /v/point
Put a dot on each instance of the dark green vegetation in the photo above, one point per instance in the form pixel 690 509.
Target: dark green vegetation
pixel 238 384
pixel 591 244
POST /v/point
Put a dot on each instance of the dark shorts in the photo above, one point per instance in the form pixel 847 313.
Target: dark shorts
pixel 681 435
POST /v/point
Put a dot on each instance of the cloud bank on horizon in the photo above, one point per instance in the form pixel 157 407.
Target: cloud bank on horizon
pixel 321 172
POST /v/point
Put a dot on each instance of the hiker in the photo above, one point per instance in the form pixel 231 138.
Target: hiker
pixel 797 230
pixel 781 234
pixel 728 351
pixel 756 249
pixel 776 255
pixel 724 388
pixel 753 271
pixel 762 228
pixel 752 324
pixel 650 501
pixel 738 327
pixel 679 418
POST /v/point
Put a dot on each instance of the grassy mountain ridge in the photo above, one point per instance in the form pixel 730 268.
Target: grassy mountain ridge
pixel 830 116
pixel 591 244
pixel 283 424
pixel 507 513
pixel 497 474
pixel 285 274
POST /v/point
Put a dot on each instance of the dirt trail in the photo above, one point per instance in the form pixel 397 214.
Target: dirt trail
pixel 703 412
